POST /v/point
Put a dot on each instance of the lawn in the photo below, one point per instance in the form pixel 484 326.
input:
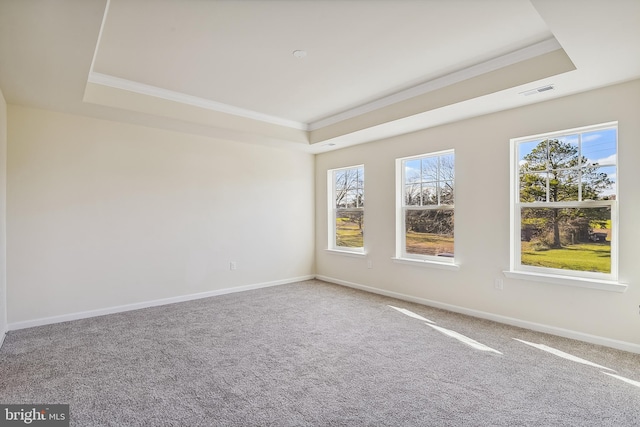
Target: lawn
pixel 582 257
pixel 348 234
pixel 428 243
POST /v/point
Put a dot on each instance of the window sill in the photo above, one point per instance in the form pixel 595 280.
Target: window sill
pixel 347 253
pixel 603 285
pixel 427 263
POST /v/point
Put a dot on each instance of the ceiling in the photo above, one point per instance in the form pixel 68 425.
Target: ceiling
pixel 372 69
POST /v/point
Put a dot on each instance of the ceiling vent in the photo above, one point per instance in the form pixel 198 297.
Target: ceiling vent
pixel 538 90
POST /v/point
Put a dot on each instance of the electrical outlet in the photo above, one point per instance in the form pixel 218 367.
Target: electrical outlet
pixel 498 284
pixel 233 265
pixel 369 263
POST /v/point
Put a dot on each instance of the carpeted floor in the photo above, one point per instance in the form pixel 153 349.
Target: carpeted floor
pixel 315 354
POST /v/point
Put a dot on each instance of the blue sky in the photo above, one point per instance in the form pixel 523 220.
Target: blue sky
pixel 598 146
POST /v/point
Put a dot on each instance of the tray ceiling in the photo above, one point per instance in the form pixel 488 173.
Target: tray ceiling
pixel 372 69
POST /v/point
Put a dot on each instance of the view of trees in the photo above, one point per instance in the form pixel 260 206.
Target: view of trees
pixel 349 193
pixel 566 190
pixel 555 171
pixel 428 201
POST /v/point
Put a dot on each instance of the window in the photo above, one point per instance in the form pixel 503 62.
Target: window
pixel 564 197
pixel 346 202
pixel 425 207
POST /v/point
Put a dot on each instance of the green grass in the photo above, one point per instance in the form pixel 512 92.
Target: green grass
pixel 582 257
pixel 428 243
pixel 348 235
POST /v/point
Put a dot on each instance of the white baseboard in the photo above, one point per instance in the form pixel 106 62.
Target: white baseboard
pixel 145 304
pixel 593 339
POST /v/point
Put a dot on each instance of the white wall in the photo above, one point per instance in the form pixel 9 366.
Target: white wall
pixel 103 214
pixel 3 217
pixel 482 217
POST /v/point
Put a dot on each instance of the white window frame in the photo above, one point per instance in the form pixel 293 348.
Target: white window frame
pixel 333 211
pixel 401 254
pixel 597 280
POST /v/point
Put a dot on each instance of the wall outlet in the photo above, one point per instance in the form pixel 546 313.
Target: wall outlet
pixel 498 284
pixel 233 265
pixel 369 263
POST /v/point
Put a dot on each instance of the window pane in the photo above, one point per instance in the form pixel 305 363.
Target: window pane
pixel 566 238
pixel 349 229
pixel 564 152
pixel 351 179
pixel 447 167
pixel 412 171
pixel 533 187
pixel 599 183
pixel 532 156
pixel 351 198
pixel 563 185
pixel 429 193
pixel 599 147
pixel 412 195
pixel 430 169
pixel 341 188
pixel 446 193
pixel 429 232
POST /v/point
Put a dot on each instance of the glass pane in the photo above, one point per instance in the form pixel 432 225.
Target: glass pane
pixel 447 167
pixel 360 178
pixel 351 199
pixel 349 184
pixel 429 193
pixel 599 147
pixel 412 195
pixel 446 193
pixel 430 169
pixel 599 183
pixel 429 232
pixel 349 229
pixel 360 197
pixel 563 185
pixel 564 152
pixel 533 187
pixel 412 171
pixel 532 156
pixel 352 178
pixel 340 179
pixel 566 238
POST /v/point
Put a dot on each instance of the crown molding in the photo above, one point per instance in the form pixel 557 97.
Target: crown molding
pixel 529 52
pixel 520 55
pixel 144 89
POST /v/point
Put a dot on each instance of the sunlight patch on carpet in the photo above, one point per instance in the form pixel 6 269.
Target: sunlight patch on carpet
pixel 463 339
pixel 626 380
pixel 411 314
pixel 562 354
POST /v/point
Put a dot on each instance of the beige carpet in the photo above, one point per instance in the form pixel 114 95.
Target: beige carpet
pixel 315 354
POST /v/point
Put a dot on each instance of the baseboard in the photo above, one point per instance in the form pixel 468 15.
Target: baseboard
pixel 2 335
pixel 154 303
pixel 580 336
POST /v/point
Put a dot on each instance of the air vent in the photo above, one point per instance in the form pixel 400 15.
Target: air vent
pixel 538 90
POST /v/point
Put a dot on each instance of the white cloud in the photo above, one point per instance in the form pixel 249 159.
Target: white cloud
pixel 591 137
pixel 609 160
